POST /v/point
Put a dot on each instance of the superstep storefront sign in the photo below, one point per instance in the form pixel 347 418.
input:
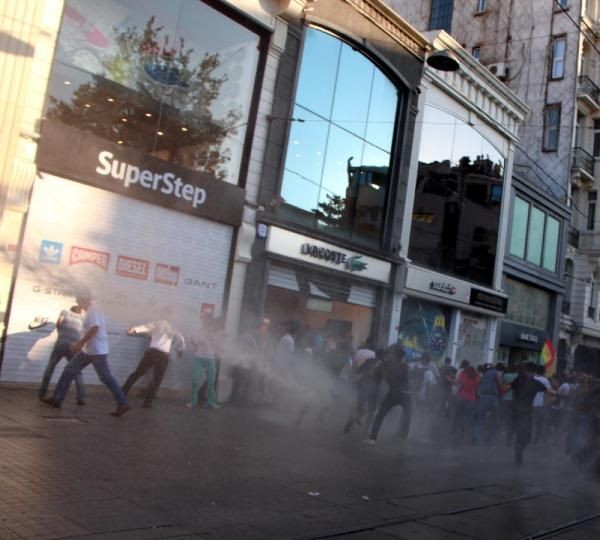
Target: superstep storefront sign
pixel 102 164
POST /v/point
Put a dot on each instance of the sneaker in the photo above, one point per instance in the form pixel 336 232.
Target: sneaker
pixel 80 402
pixel 214 406
pixel 51 401
pixel 189 405
pixel 371 442
pixel 120 410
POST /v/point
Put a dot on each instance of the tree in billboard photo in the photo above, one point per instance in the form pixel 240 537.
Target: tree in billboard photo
pixel 153 98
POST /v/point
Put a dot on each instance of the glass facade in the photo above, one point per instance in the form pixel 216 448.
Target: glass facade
pixel 171 79
pixel 337 168
pixel 535 235
pixel 457 200
pixel 527 305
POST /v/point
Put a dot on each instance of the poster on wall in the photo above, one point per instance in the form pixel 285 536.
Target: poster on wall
pixel 142 263
pixel 424 327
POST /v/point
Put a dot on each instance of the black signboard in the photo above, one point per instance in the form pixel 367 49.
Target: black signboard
pixel 521 336
pixel 488 300
pixel 71 153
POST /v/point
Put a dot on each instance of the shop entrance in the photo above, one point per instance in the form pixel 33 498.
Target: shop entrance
pixel 331 307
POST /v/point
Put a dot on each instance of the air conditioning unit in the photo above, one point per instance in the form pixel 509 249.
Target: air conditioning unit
pixel 500 69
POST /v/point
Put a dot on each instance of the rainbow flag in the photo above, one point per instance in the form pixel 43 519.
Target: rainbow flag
pixel 548 358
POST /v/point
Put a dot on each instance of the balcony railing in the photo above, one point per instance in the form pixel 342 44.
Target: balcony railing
pixel 588 87
pixel 583 160
pixel 573 237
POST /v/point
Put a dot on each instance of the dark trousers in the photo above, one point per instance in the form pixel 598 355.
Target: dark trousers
pixel 388 403
pixel 153 358
pixel 523 422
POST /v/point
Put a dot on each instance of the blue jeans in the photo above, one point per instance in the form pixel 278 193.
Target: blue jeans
pixel 77 364
pixel 62 349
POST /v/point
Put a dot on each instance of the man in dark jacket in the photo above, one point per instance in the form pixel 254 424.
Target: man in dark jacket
pixel 395 373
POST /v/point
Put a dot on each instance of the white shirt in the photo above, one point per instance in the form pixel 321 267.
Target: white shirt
pixel 361 356
pixel 162 336
pixel 71 324
pixel 285 349
pixel 99 343
pixel 538 400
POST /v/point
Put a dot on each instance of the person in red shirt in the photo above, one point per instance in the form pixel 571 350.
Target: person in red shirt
pixel 466 399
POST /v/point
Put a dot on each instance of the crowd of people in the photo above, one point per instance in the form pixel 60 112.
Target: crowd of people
pixel 304 370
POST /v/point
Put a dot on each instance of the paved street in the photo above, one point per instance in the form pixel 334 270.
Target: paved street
pixel 171 472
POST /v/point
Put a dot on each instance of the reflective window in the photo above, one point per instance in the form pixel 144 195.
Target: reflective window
pixel 172 79
pixel 519 228
pixel 535 235
pixel 457 199
pixel 336 172
pixel 551 243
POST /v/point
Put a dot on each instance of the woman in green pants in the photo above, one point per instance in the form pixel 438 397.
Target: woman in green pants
pixel 205 352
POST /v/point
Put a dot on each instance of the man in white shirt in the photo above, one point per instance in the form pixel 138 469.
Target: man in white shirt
pixel 540 417
pixel 92 348
pixel 162 337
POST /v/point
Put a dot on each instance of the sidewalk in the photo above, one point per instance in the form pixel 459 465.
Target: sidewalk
pixel 172 472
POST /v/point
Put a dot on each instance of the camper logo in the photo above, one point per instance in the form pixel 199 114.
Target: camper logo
pixel 50 252
pixel 354 264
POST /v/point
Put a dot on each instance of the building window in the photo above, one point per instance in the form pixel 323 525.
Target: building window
pixel 527 304
pixel 551 127
pixel 559 46
pixel 481 5
pixel 458 196
pixel 155 79
pixel 593 296
pixel 591 216
pixel 337 168
pixel 596 137
pixel 441 15
pixel 535 235
pixel 476 52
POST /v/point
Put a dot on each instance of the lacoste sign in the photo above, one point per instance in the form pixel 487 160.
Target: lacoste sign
pixel 71 153
pixel 316 252
pixel 351 263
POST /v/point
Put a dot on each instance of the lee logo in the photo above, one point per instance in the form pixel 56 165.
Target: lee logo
pixel 132 268
pixel 50 252
pixel 84 255
pixel 165 274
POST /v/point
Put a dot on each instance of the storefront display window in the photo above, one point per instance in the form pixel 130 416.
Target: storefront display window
pixel 471 339
pixel 424 327
pixel 322 305
pixel 336 173
pixel 172 79
pixel 457 199
pixel 527 305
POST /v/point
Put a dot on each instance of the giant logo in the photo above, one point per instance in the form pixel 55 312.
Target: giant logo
pixel 81 255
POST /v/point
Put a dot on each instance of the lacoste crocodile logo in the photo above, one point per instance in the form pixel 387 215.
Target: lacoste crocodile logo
pixel 354 264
